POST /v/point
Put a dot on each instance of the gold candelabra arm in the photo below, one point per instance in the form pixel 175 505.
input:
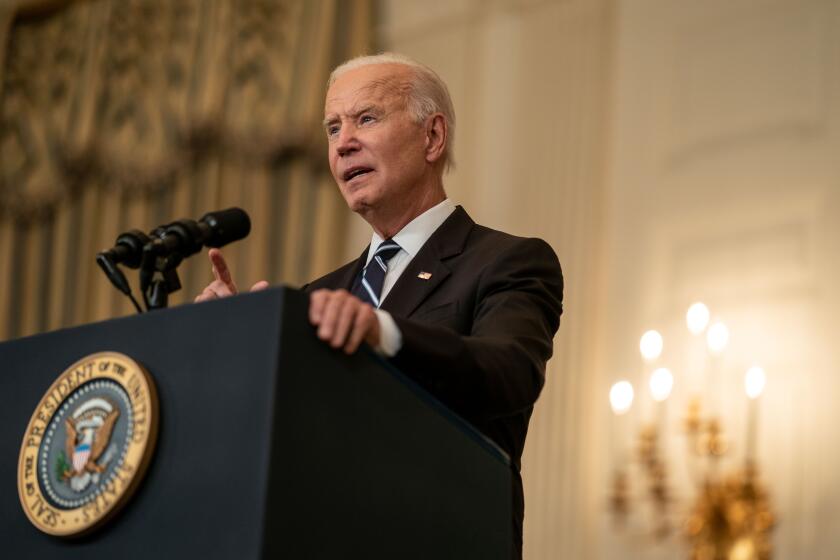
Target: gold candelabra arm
pixel 620 498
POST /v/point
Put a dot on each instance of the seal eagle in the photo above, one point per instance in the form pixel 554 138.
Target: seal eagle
pixel 88 433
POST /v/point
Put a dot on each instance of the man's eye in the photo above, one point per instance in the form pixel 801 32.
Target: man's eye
pixel 332 130
pixel 364 119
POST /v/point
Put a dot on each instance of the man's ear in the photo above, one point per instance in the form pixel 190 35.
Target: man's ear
pixel 436 137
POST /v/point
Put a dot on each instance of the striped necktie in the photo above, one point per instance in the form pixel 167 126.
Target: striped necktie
pixel 369 287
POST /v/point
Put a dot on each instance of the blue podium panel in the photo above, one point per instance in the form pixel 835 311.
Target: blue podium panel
pixel 271 445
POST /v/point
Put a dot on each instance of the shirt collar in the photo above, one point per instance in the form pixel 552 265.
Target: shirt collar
pixel 414 235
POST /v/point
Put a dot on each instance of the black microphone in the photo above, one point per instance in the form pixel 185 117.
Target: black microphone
pixel 214 229
pixel 164 248
pixel 185 237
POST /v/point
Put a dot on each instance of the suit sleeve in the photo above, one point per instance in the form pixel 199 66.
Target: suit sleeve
pixel 498 368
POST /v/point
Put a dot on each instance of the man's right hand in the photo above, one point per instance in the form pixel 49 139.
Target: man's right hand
pixel 223 284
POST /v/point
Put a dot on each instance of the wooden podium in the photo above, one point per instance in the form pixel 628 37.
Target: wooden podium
pixel 271 445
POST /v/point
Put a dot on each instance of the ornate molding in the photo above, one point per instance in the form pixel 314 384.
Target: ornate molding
pixel 134 91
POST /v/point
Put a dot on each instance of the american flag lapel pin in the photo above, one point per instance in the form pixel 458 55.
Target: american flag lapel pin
pixel 424 275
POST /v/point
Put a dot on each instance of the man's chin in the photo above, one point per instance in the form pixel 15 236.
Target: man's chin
pixel 360 207
pixel 358 200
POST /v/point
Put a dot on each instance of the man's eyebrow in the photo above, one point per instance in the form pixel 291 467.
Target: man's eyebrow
pixel 354 112
pixel 370 108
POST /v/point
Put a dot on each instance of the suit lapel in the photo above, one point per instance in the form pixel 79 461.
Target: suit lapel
pixel 349 277
pixel 411 290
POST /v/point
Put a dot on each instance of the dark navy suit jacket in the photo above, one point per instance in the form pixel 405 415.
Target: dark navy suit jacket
pixel 478 332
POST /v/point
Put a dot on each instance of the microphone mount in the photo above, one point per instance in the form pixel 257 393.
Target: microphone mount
pixel 158 274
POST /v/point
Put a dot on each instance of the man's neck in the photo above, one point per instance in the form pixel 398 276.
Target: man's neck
pixel 388 226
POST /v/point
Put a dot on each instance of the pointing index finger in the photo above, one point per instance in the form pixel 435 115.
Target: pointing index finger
pixel 220 268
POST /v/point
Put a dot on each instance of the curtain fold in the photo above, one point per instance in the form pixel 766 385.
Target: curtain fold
pixel 122 114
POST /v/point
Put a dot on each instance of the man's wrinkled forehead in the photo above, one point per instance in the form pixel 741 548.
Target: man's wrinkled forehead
pixel 381 90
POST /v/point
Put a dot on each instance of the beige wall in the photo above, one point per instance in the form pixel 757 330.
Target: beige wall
pixel 723 186
pixel 670 151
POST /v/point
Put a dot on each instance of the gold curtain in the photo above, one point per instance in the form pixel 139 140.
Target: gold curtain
pixel 121 114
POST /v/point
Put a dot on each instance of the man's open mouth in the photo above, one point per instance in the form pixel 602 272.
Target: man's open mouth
pixel 354 172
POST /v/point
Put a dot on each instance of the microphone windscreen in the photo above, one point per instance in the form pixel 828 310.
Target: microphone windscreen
pixel 226 226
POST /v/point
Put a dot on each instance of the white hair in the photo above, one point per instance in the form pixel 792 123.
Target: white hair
pixel 427 95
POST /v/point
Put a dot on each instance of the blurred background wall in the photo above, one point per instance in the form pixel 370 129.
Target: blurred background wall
pixel 670 151
pixel 121 114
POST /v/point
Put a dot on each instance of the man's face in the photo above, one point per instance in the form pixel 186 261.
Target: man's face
pixel 376 149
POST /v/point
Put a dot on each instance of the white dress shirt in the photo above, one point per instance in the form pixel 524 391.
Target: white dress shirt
pixel 411 239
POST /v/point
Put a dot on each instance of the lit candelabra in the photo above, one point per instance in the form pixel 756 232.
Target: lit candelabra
pixel 730 515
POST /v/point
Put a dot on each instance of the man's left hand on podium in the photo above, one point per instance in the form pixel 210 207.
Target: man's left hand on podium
pixel 343 320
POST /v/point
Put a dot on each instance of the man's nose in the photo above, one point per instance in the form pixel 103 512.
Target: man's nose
pixel 347 142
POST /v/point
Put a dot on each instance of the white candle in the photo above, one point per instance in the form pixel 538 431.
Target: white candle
pixel 717 339
pixel 754 382
pixel 661 384
pixel 621 399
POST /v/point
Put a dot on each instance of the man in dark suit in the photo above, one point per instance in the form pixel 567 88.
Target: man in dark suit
pixel 466 311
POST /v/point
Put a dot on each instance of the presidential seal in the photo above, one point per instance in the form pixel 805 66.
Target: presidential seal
pixel 88 444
